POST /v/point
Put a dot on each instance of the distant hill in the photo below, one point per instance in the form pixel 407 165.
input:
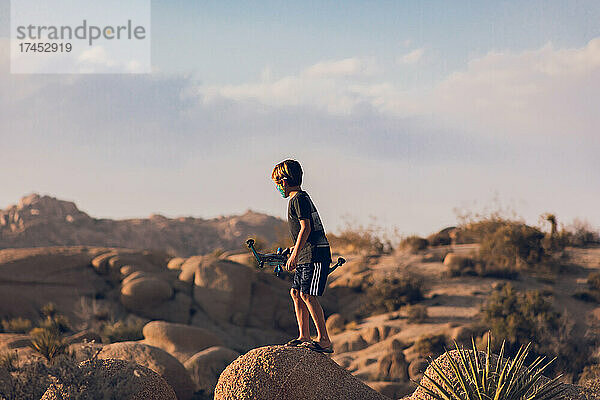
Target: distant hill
pixel 38 221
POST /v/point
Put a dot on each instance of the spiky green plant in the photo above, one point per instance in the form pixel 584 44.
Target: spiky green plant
pixel 470 378
pixel 48 343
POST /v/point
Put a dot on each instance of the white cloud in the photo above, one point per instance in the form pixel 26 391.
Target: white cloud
pixel 323 86
pixel 412 57
pixel 540 92
pixel 341 68
pixel 95 56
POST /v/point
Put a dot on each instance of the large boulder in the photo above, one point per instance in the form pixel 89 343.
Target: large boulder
pixel 335 324
pixel 141 261
pixel 206 366
pixel 291 373
pixel 352 341
pixel 114 379
pixel 182 341
pixel 137 274
pixel 457 264
pixel 223 289
pixel 145 293
pixel 175 263
pixel 393 390
pixel 271 304
pixel 150 295
pixel 11 341
pixel 157 360
pixel 392 367
pixel 31 278
pixel 100 263
pixel 417 367
pixel 189 267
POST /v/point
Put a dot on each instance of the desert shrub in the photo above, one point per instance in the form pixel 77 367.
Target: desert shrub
pixel 121 331
pixel 9 360
pixel 473 265
pixel 390 292
pixel 48 343
pixel 459 265
pixel 416 313
pixel 363 239
pixel 92 313
pixel 592 295
pixel 474 377
pixel 414 244
pixel 589 374
pixel 474 230
pixel 30 378
pixel 49 310
pixel 518 317
pixel 586 295
pixel 513 244
pixel 593 281
pixel 441 238
pixel 508 246
pixel 52 320
pixel 580 234
pixel 430 345
pixel 56 323
pixel 16 325
pixel 524 317
pixel 495 271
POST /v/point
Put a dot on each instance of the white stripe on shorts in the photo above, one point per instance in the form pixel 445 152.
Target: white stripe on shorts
pixel 314 287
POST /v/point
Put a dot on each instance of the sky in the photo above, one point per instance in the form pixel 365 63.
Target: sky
pixel 401 113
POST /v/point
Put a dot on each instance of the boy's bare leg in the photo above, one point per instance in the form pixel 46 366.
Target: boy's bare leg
pixel 301 315
pixel 316 311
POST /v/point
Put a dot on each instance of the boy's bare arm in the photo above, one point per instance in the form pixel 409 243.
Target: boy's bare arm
pixel 302 238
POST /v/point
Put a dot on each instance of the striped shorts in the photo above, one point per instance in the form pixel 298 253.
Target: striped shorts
pixel 311 278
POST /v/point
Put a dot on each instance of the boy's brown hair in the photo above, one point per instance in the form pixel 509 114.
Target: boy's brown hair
pixel 290 170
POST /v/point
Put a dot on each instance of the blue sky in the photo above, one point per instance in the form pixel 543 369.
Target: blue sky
pixel 402 111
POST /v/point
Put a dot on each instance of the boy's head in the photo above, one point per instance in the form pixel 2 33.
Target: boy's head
pixel 287 174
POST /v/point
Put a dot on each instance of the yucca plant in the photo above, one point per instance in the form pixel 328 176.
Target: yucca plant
pixel 48 343
pixel 471 378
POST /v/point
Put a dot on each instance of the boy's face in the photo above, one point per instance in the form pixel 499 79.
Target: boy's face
pixel 282 187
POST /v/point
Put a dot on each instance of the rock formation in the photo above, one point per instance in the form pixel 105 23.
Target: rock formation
pixel 38 221
pixel 292 373
pixel 114 379
pixel 206 366
pixel 182 341
pixel 157 360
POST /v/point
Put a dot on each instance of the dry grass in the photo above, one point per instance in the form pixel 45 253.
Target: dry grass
pixel 357 238
pixel 416 313
pixel 120 331
pixel 16 325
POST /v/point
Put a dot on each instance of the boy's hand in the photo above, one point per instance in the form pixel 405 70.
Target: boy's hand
pixel 291 263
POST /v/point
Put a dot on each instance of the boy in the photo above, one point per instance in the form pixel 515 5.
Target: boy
pixel 310 256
